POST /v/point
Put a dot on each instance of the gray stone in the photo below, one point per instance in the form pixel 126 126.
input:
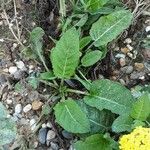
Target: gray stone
pixel 2 79
pixel 54 146
pixel 50 135
pixel 136 75
pixel 67 135
pixel 127 69
pixel 42 135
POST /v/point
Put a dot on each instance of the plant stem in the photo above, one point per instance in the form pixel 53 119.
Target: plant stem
pixel 148 123
pixel 84 76
pixel 77 92
pixel 49 83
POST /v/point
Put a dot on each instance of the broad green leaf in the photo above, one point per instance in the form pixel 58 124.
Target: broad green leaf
pixel 7 127
pixel 36 41
pixel 84 42
pixel 141 108
pixel 100 121
pixel 65 56
pixel 109 27
pixel 91 58
pixel 94 142
pixel 70 116
pixel 47 76
pixel 7 131
pixel 122 123
pixel 106 94
pixel 93 5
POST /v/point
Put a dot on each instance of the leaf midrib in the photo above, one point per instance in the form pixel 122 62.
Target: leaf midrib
pixel 97 123
pixel 67 109
pixel 108 100
pixel 109 29
pixel 138 114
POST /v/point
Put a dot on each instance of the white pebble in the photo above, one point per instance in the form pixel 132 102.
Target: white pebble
pixel 44 125
pixel 147 29
pixel 120 56
pixel 122 62
pixel 142 78
pixel 9 101
pixel 33 124
pixel 130 47
pixel 12 69
pixel 2 40
pixel 49 125
pixel 50 135
pixel 15 45
pixel 130 55
pixel 27 108
pixel 18 108
pixel 1 23
pixel 128 41
pixel 21 65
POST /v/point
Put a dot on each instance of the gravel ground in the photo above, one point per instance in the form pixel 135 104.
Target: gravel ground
pixel 129 64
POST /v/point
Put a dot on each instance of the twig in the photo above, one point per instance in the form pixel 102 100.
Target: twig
pixel 17 25
pixel 11 29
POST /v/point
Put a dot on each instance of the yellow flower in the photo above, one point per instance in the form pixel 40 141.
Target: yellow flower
pixel 139 139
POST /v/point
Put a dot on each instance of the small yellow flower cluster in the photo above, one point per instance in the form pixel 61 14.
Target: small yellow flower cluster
pixel 139 139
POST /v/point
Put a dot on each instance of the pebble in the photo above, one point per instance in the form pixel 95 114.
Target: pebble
pixel 18 108
pixel 24 121
pixel 130 55
pixel 120 56
pixel 2 79
pixel 12 69
pixel 21 65
pixel 33 124
pixel 142 77
pixel 36 105
pixel 130 47
pixel 67 135
pixel 122 62
pixel 42 135
pixel 50 135
pixel 122 81
pixel 139 66
pixel 128 41
pixel 27 108
pixel 136 75
pixel 125 50
pixel 127 69
pixel 9 101
pixel 54 146
pixel 116 48
pixel 18 75
pixel 49 125
pixel 44 125
pixel 147 29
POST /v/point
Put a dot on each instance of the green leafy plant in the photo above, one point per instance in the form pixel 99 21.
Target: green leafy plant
pixel 104 106
pixel 7 128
